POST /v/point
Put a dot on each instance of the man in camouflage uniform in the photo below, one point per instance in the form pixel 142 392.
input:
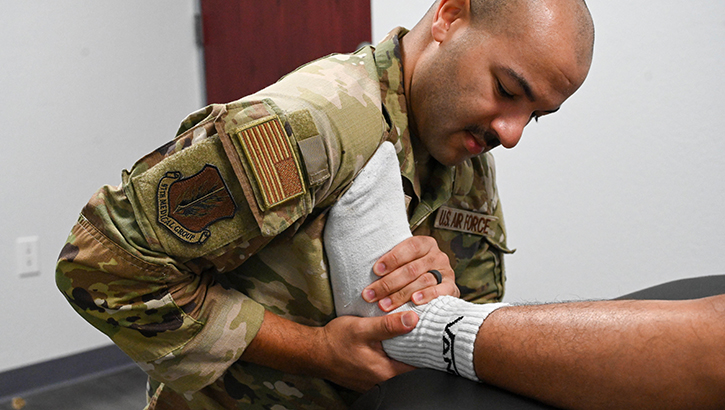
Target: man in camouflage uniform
pixel 207 266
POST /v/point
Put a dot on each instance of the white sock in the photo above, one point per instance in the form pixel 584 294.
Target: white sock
pixel 444 337
pixel 365 223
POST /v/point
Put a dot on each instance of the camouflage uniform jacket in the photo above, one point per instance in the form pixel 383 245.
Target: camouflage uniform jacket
pixel 178 264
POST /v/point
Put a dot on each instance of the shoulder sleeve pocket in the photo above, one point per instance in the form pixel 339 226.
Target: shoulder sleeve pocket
pixel 265 157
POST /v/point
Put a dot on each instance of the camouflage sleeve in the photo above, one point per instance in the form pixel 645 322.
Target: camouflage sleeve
pixel 180 327
pixel 154 298
pixel 145 261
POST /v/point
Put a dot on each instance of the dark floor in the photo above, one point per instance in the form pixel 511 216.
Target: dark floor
pixel 122 390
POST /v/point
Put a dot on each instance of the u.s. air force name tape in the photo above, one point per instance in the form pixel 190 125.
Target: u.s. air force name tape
pixel 465 221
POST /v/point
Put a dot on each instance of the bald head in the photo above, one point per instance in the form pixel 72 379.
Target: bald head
pixel 512 17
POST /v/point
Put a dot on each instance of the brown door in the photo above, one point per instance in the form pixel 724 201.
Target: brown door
pixel 251 44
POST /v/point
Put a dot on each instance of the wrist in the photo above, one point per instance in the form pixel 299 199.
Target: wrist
pixel 287 346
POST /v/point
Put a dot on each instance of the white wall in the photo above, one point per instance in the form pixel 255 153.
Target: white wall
pixel 86 88
pixel 390 14
pixel 624 188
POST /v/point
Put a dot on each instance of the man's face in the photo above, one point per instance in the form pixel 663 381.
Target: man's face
pixel 473 92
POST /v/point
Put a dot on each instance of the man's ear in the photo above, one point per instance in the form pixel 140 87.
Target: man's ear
pixel 447 14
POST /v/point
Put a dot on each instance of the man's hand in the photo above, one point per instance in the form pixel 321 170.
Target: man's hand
pixel 347 351
pixel 404 275
pixel 356 357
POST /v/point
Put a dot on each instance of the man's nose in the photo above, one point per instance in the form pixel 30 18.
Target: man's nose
pixel 509 129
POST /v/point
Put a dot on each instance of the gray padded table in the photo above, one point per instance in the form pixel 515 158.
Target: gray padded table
pixel 425 389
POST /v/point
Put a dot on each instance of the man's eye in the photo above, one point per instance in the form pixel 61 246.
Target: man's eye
pixel 503 91
pixel 534 117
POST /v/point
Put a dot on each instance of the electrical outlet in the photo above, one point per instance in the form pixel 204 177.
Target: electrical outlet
pixel 26 250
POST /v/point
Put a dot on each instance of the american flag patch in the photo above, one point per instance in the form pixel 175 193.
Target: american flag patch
pixel 272 161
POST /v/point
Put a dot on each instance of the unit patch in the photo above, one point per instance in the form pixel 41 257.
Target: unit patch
pixel 273 162
pixel 465 221
pixel 187 206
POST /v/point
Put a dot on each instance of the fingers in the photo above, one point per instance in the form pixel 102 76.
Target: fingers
pixel 404 275
pixel 388 326
pixel 392 325
pixel 421 290
pixel 429 291
pixel 354 355
pixel 403 253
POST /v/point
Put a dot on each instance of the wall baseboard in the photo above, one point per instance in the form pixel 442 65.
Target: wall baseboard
pixel 65 370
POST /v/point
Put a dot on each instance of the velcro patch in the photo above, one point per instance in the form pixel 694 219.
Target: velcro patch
pixel 187 206
pixel 272 161
pixel 465 221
